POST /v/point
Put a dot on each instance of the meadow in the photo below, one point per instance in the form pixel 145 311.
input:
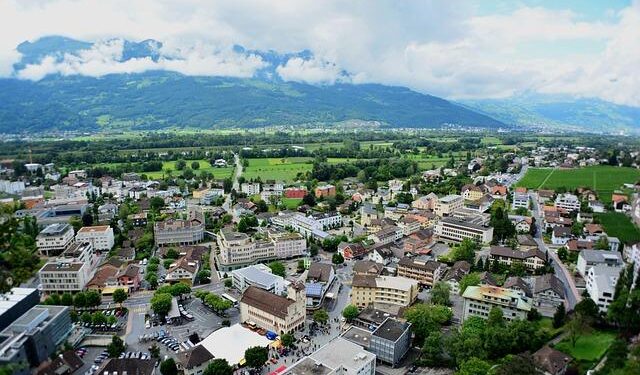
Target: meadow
pixel 205 166
pixel 604 179
pixel 589 348
pixel 619 225
pixel 279 169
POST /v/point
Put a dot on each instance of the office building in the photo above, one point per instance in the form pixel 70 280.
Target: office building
pixel 54 239
pixel 338 357
pixel 445 206
pixel 456 230
pixel 260 276
pixel 16 302
pixel 101 237
pixel 422 269
pixel 391 341
pixel 180 232
pixel 371 289
pixel 479 300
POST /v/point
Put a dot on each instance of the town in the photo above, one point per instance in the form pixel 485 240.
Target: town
pixel 485 261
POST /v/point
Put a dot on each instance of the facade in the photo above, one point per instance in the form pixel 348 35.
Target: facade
pixel 387 235
pixel 325 191
pixel 532 259
pixel 456 230
pixel 479 300
pixel 273 312
pixel 445 206
pixel 33 337
pixel 370 289
pixel 101 237
pixel 181 232
pixel 15 303
pixel 250 188
pixel 520 200
pixel 601 280
pixel 238 249
pixel 295 192
pixel 338 357
pixel 328 219
pixel 425 271
pixel 54 239
pixel 568 202
pixel 320 277
pixel 69 272
pixel 260 276
pixel 391 341
pixel 305 225
pixel 591 258
pixel 183 270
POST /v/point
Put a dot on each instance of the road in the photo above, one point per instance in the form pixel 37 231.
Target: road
pixel 236 185
pixel 571 292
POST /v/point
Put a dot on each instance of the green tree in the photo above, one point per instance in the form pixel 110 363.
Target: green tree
pixel 180 289
pixel 337 258
pixel 218 366
pixel 168 367
pixel 119 296
pixel 432 350
pixel 350 312
pixel 426 318
pixel 563 254
pixel 180 165
pixel 195 165
pixel 517 365
pixel 559 316
pixel 154 350
pixel 309 199
pixel 66 299
pixel 93 298
pixel 277 268
pixel 85 317
pixel 116 347
pixel 471 279
pixel 474 366
pixel 256 356
pixel 172 254
pixel 496 317
pixel 320 316
pixel 161 303
pixel 287 339
pixel 466 250
pixel 228 282
pixel 440 294
pixel 79 300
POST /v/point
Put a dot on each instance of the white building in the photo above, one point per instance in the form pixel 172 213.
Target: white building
pixel 520 200
pixel 250 188
pixel 258 275
pixel 54 239
pixel 568 202
pixel 328 219
pixel 445 206
pixel 305 225
pixel 238 249
pixel 456 230
pixel 601 283
pixel 279 314
pixel 71 271
pixel 479 300
pixel 592 258
pixel 339 356
pixel 101 237
pixel 12 187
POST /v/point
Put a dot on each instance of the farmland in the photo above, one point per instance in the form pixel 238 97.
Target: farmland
pixel 619 225
pixel 279 169
pixel 603 179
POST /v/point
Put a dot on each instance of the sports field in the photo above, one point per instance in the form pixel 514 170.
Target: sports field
pixel 602 178
pixel 279 169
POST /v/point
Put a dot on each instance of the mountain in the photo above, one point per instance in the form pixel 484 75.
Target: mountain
pixel 560 112
pixel 164 99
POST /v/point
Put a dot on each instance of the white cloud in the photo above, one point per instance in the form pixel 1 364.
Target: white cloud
pixel 442 47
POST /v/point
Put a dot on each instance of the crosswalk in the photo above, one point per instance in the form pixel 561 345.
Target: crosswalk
pixel 139 308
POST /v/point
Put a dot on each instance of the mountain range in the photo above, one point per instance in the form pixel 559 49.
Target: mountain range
pixel 158 99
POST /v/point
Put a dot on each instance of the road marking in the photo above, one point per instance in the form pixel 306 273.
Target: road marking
pixel 546 179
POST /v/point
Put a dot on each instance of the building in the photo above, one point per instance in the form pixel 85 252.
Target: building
pixel 15 303
pixel 293 192
pixel 367 267
pixel 65 363
pixel 395 290
pixel 445 206
pixel 479 300
pixel 591 258
pixel 138 220
pixel 320 277
pixel 325 191
pixel 520 200
pixel 250 188
pixel 194 361
pixel 238 250
pixel 338 356
pixel 532 259
pixel 328 219
pixel 472 192
pixel 391 341
pixel 387 235
pixel 305 225
pixel 561 235
pixel 548 293
pixel 128 366
pixel 101 237
pixel 368 212
pixel 180 232
pixel 273 312
pixel 568 202
pixel 422 269
pixel 12 187
pixel 183 270
pixel 33 337
pixel 550 361
pixel 409 225
pixel 601 280
pixel 54 239
pixel 455 230
pixel 259 276
pixel 353 250
pixel 69 272
pixel 455 274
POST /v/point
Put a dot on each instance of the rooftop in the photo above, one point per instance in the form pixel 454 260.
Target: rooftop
pixel 14 296
pixel 97 228
pixel 391 329
pixel 55 229
pixel 357 335
pixel 217 343
pixel 340 352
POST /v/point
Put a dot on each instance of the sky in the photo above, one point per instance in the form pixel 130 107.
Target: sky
pixel 451 48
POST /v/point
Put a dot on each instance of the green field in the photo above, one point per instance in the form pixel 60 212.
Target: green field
pixel 603 179
pixel 619 225
pixel 291 203
pixel 589 348
pixel 218 173
pixel 279 169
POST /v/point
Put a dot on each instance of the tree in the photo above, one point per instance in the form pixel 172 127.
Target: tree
pixel 154 350
pixel 350 312
pixel 172 254
pixel 87 219
pixel 195 165
pixel 496 317
pixel 85 317
pixel 576 327
pixel 471 279
pixel 180 289
pixel 277 268
pixel 181 164
pixel 321 316
pixel 218 366
pixel 66 299
pixel 577 229
pixel 98 318
pixel 521 364
pixel 168 367
pixel 161 303
pixel 156 203
pixel 432 350
pixel 426 318
pixel 337 258
pixel 440 294
pixel 93 298
pixel 287 339
pixel 116 347
pixel 474 366
pixel 309 199
pixel 79 300
pixel 119 296
pixel 300 267
pixel 228 282
pixel 256 356
pixel 466 250
pixel 559 316
pixel 602 243
pixel 563 254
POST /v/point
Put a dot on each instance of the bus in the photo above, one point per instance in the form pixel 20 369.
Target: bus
pixel 230 299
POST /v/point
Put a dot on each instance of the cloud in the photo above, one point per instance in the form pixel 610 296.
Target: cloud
pixel 450 48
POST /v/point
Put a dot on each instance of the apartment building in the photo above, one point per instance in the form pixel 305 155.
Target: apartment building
pixel 533 259
pixel 328 219
pixel 479 300
pixel 238 249
pixel 274 312
pixel 54 239
pixel 387 235
pixel 179 231
pixel 101 237
pixel 370 289
pixel 456 229
pixel 250 188
pixel 520 200
pixel 425 271
pixel 591 258
pixel 71 271
pixel 325 191
pixel 409 225
pixel 601 280
pixel 568 202
pixel 305 225
pixel 446 205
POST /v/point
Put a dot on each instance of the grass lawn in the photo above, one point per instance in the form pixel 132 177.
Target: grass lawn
pixel 218 173
pixel 588 347
pixel 279 169
pixel 619 225
pixel 291 203
pixel 602 178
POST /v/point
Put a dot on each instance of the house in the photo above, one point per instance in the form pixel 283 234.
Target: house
pixel 273 312
pixel 293 192
pixel 479 300
pixel 368 212
pixel 409 225
pixel 560 235
pixel 194 361
pixel 424 270
pixel 472 192
pixel 523 224
pixel 425 202
pixel 320 277
pixel 597 207
pixel 533 259
pixel 381 254
pixel 418 242
pixel 370 289
pixel 548 293
pixel 591 258
pixel 70 271
pixel 387 235
pixel 453 276
pixel 65 363
pixel 367 267
pixel 579 245
pixel 183 270
pixel 520 200
pixel 354 250
pixel 545 195
pixel 526 242
pixel 550 361
pixel 325 191
pixel 138 220
pixel 129 277
pixel 568 202
pixel 125 366
pixel 620 202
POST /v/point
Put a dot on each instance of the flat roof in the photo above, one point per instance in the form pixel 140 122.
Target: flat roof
pixel 10 299
pixel 307 366
pixel 230 343
pixel 391 329
pixel 342 352
pixel 358 335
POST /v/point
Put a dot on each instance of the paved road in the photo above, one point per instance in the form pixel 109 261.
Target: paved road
pixel 236 185
pixel 571 292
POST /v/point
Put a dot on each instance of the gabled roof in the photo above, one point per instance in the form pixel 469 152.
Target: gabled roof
pixel 320 272
pixel 195 357
pixel 546 282
pixel 266 301
pixel 551 360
